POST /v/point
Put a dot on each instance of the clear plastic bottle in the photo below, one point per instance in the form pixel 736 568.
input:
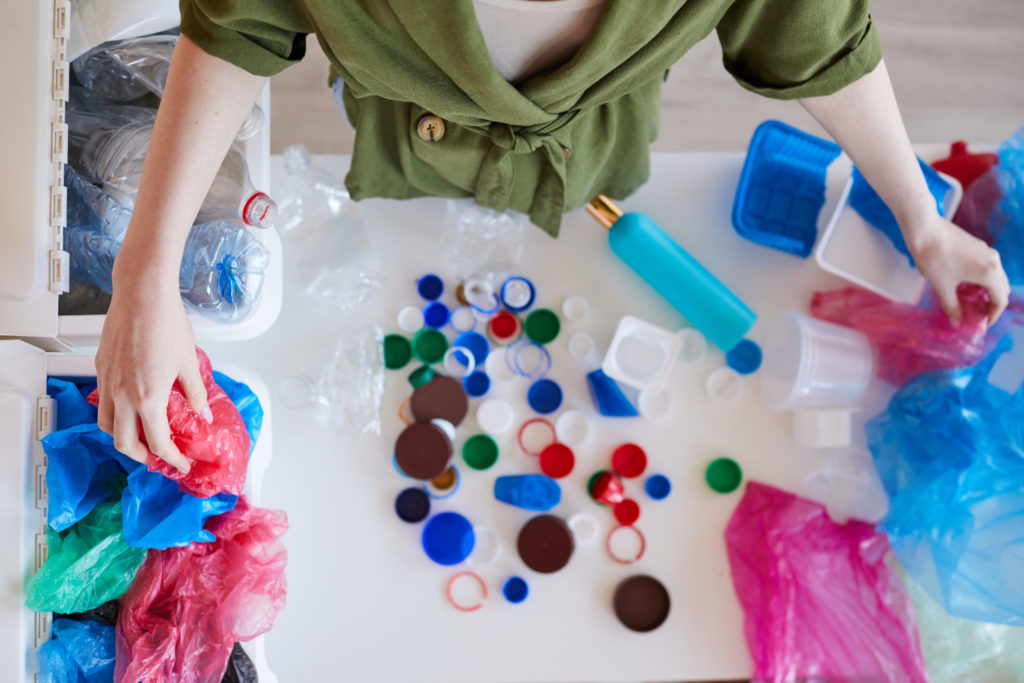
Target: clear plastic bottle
pixel 222 271
pixel 329 251
pixel 128 69
pixel 96 225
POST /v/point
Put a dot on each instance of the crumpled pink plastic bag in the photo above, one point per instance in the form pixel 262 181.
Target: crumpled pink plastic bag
pixel 910 340
pixel 189 606
pixel 819 600
pixel 217 451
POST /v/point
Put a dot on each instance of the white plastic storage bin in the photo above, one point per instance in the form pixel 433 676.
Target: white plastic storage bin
pixel 34 77
pixel 26 416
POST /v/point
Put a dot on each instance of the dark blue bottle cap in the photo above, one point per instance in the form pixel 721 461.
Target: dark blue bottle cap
pixel 544 396
pixel 517 294
pixel 744 358
pixel 435 315
pixel 475 343
pixel 412 505
pixel 658 486
pixel 448 538
pixel 476 383
pixel 536 492
pixel 515 589
pixel 430 286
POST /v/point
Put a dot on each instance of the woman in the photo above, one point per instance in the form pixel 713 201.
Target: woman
pixel 532 106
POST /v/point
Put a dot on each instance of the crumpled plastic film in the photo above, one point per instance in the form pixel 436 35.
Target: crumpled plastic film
pixel 80 651
pixel 350 388
pixel 819 600
pixel 481 241
pixel 88 564
pixel 104 614
pixel 217 451
pixel 950 452
pixel 240 667
pixel 226 591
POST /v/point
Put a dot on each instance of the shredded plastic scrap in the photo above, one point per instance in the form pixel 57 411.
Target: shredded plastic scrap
pixel 189 606
pixel 820 601
pixel 79 652
pixel 950 452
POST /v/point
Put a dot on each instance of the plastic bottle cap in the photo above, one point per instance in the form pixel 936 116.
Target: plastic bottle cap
pixel 537 492
pixel 480 452
pixel 397 351
pixel 656 403
pixel 605 488
pixel 476 343
pixel 658 486
pixel 448 538
pixel 545 544
pixel 430 286
pixel 626 511
pixel 641 603
pixel 412 505
pixel 460 294
pixel 629 460
pixel 494 416
pixel 410 319
pixel 625 544
pixel 544 396
pixel 504 326
pixel 585 528
pixel 745 357
pixel 480 295
pixel 496 367
pixel 466 591
pixel 421 376
pixel 693 345
pixel 529 359
pixel 423 450
pixel 723 475
pixel 582 346
pixel 557 460
pixel 476 383
pixel 542 326
pixel 462 319
pixel 445 426
pixel 444 485
pixel 515 589
pixel 442 397
pixel 458 362
pixel 724 385
pixel 435 315
pixel 575 308
pixel 517 294
pixel 429 346
pixel 535 435
pixel 487 548
pixel 572 427
pixel 296 391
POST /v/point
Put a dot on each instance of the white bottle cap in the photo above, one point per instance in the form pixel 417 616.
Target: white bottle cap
pixel 693 345
pixel 410 319
pixel 572 427
pixel 575 308
pixel 494 416
pixel 724 385
pixel 656 403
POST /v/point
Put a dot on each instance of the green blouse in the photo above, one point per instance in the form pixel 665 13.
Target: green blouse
pixel 550 143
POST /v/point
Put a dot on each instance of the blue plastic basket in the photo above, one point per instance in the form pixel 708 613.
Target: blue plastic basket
pixel 782 188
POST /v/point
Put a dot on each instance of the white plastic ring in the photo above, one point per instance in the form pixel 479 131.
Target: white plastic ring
pixel 445 426
pixel 694 346
pixel 575 308
pixel 585 528
pixel 656 403
pixel 491 548
pixel 410 319
pixel 724 385
pixel 458 361
pixel 582 346
pixel 495 416
pixel 572 428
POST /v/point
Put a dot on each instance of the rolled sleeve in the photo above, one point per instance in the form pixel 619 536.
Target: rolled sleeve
pixel 264 37
pixel 789 49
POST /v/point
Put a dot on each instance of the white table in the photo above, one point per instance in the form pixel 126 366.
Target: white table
pixel 365 604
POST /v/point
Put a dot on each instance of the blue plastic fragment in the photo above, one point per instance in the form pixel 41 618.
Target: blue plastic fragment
pixel 430 286
pixel 435 315
pixel 448 538
pixel 536 492
pixel 608 397
pixel 658 486
pixel 865 201
pixel 515 589
pixel 476 344
pixel 744 358
pixel 544 396
pixel 476 383
pixel 782 188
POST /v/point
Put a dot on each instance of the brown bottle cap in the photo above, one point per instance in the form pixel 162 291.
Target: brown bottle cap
pixel 440 398
pixel 545 544
pixel 641 603
pixel 423 450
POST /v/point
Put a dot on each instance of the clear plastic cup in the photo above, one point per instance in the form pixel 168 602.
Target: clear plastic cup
pixel 810 363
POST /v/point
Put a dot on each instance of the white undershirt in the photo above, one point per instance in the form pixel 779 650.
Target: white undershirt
pixel 527 36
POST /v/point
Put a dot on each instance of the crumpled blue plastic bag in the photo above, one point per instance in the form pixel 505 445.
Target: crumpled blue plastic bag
pixel 156 513
pixel 80 651
pixel 1007 220
pixel 950 452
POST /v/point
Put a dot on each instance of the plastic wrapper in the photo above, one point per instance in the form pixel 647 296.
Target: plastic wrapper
pixel 226 591
pixel 819 600
pixel 949 451
pixel 218 451
pixel 481 241
pixel 80 651
pixel 240 667
pixel 88 564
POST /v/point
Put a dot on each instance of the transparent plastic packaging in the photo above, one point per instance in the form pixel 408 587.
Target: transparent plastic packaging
pixel 327 245
pixel 99 21
pixel 481 241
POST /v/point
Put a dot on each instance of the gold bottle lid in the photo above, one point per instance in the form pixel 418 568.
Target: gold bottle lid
pixel 604 210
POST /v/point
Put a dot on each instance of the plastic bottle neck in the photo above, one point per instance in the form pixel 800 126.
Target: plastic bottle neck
pixel 259 210
pixel 296 159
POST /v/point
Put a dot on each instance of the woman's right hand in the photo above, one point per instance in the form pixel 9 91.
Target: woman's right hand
pixel 147 344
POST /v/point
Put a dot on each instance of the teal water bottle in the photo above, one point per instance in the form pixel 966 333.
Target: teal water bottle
pixel 703 300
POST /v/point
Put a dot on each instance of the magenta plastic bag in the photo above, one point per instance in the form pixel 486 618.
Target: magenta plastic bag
pixel 189 606
pixel 819 600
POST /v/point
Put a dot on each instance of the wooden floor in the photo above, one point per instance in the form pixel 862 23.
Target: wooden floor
pixel 957 67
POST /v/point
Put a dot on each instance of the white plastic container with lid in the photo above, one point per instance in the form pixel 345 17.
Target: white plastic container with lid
pixel 641 355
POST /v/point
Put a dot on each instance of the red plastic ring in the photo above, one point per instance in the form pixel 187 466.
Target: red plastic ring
pixel 250 200
pixel 522 430
pixel 451 598
pixel 621 560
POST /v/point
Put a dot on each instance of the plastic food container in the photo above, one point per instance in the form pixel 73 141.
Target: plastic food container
pixel 810 363
pixel 641 355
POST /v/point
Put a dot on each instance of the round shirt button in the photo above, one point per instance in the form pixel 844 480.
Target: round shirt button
pixel 430 128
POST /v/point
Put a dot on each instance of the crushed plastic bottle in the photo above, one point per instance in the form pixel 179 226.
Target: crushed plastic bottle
pixel 482 242
pixel 96 225
pixel 222 271
pixel 327 246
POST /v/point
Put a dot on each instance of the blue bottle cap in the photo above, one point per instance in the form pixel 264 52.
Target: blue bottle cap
pixel 658 486
pixel 544 396
pixel 517 294
pixel 435 315
pixel 536 492
pixel 430 286
pixel 476 344
pixel 412 505
pixel 744 358
pixel 448 538
pixel 515 589
pixel 476 383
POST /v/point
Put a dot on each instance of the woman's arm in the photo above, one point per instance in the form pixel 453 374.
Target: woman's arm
pixel 864 119
pixel 147 341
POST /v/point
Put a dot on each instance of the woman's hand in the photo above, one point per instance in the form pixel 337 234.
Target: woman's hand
pixel 147 344
pixel 946 255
